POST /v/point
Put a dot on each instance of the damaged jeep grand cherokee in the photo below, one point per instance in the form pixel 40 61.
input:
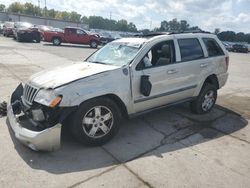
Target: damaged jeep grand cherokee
pixel 126 77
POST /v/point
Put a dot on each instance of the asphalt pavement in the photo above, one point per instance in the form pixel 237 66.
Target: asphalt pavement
pixel 166 148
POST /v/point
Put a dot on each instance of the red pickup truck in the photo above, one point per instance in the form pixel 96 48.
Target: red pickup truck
pixel 72 35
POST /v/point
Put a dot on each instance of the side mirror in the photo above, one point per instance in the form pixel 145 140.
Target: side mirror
pixel 146 85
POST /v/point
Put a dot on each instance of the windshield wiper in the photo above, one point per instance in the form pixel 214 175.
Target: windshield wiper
pixel 98 62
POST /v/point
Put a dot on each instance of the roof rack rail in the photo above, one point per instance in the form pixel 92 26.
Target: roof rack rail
pixel 153 34
pixel 189 31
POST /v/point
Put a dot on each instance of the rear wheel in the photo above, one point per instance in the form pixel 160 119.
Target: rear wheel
pixel 206 100
pixel 56 41
pixel 96 121
pixel 93 44
pixel 18 38
pixel 38 38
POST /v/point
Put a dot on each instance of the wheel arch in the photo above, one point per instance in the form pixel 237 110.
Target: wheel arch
pixel 212 79
pixel 54 37
pixel 120 104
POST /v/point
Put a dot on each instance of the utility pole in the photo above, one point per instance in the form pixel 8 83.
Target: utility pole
pixel 45 11
pixel 39 3
pixel 45 8
pixel 110 15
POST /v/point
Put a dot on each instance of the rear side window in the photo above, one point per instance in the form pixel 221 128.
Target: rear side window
pixel 213 48
pixel 71 30
pixel 190 49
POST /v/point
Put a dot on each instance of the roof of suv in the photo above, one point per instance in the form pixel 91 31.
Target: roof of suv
pixel 151 37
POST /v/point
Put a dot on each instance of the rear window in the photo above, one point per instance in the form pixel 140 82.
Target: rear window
pixel 190 49
pixel 213 48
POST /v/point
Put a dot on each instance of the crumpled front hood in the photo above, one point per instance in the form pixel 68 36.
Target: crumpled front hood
pixel 66 74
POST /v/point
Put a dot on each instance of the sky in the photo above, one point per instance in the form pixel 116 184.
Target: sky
pixel 147 14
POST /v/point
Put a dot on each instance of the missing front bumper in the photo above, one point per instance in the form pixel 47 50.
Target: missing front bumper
pixel 48 139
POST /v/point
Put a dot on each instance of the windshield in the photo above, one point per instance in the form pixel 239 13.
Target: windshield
pixel 116 53
pixel 9 24
pixel 25 24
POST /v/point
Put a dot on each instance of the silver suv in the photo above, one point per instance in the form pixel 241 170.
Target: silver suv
pixel 124 78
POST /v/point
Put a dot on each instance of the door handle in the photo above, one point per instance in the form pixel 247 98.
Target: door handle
pixel 173 71
pixel 203 65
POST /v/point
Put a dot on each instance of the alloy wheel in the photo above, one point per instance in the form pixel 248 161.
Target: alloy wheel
pixel 98 121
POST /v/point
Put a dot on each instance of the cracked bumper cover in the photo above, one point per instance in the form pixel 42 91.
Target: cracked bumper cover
pixel 48 139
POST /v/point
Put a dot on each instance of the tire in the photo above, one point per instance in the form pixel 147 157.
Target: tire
pixel 38 38
pixel 96 121
pixel 56 41
pixel 206 99
pixel 18 38
pixel 93 44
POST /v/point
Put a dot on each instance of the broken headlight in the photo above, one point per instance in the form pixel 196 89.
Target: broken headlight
pixel 47 97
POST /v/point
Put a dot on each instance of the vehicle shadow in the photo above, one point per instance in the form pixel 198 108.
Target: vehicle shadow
pixel 68 45
pixel 136 139
pixel 24 41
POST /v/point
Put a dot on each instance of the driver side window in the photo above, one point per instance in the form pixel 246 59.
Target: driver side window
pixel 80 32
pixel 160 54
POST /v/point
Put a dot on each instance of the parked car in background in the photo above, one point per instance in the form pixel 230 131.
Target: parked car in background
pixel 8 28
pixel 43 28
pixel 72 35
pixel 106 37
pixel 116 36
pixel 24 31
pixel 1 28
pixel 248 46
pixel 228 46
pixel 55 29
pixel 240 48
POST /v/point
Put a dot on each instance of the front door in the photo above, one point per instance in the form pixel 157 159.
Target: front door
pixel 171 81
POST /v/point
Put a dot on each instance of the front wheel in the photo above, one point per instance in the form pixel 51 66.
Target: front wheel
pixel 96 121
pixel 56 41
pixel 93 44
pixel 206 100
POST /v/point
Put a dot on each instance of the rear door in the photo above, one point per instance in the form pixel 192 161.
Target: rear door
pixel 192 64
pixel 82 37
pixel 216 57
pixel 70 35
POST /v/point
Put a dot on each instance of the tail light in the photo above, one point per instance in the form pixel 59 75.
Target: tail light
pixel 227 61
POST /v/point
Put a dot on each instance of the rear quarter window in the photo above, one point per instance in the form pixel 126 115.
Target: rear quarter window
pixel 213 48
pixel 190 49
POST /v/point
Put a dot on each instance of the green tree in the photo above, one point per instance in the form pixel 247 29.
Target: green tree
pixel 184 26
pixel 63 16
pixel 31 9
pixel 75 17
pixel 164 26
pixel 122 25
pixel 240 37
pixel 217 31
pixel 16 7
pixel 51 13
pixel 2 7
pixel 132 27
pixel 174 25
pixel 227 36
pixel 85 20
